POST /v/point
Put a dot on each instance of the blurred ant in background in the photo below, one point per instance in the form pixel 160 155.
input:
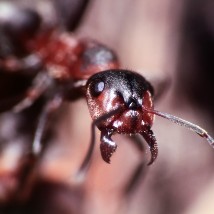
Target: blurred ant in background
pixel 58 66
pixel 24 79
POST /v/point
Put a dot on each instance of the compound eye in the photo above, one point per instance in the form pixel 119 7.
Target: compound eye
pixel 97 88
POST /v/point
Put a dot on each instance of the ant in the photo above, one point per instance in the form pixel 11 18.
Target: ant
pixel 64 67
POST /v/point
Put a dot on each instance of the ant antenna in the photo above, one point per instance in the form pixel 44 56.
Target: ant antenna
pixel 195 128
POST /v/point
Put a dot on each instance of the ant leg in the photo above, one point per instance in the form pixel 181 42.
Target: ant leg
pixel 140 170
pixel 85 164
pixel 41 82
pixel 136 140
pixel 149 136
pixel 107 148
pixel 106 142
pixel 139 173
pixel 27 65
pixel 50 107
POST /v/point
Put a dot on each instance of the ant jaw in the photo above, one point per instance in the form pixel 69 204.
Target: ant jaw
pixel 108 146
pixel 107 150
pixel 179 121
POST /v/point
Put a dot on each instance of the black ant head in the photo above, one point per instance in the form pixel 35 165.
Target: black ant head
pixel 129 91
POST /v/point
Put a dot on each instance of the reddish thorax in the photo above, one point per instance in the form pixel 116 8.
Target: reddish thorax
pixel 63 55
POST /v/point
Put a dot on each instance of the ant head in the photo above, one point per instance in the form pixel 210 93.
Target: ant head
pixel 123 89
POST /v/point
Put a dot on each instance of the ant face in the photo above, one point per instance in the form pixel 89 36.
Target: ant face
pixel 118 96
pixel 124 90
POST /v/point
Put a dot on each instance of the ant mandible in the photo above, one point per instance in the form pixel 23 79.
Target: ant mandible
pixel 65 67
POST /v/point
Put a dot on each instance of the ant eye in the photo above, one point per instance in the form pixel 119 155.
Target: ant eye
pixel 97 88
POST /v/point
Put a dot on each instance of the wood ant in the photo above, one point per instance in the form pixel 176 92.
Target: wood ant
pixel 64 68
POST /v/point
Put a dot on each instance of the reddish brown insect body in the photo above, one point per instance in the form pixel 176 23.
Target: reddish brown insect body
pixel 128 91
pixel 63 55
pixel 58 62
pixel 64 67
pixel 67 57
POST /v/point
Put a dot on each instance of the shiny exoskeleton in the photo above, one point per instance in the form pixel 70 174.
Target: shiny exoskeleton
pixel 127 91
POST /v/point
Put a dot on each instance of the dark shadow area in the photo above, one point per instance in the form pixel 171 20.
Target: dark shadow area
pixel 196 63
pixel 47 197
